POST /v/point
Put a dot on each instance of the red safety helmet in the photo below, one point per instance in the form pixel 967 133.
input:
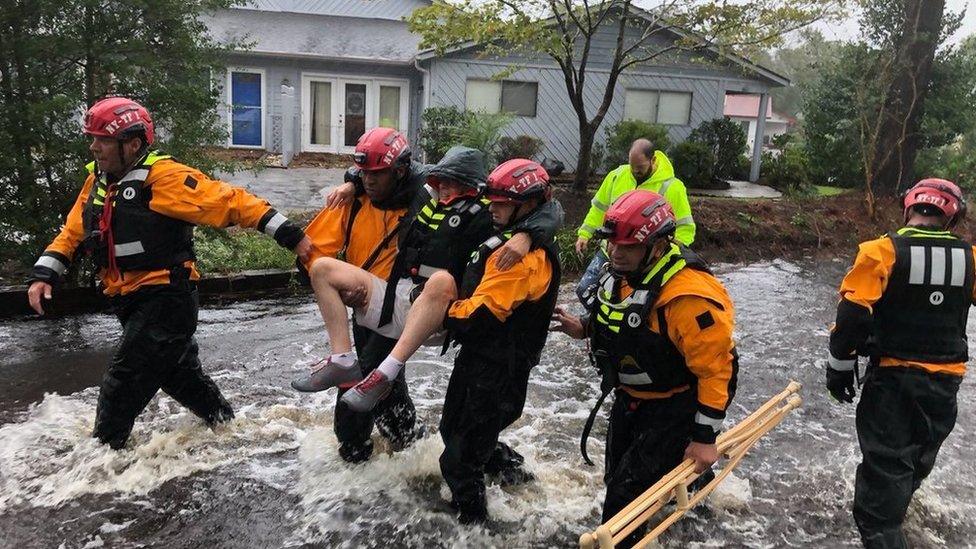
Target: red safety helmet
pixel 638 217
pixel 941 194
pixel 381 148
pixel 518 180
pixel 119 118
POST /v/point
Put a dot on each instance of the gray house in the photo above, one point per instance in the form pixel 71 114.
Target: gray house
pixel 352 64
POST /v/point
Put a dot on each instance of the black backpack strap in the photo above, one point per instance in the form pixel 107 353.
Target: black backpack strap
pixel 379 247
pixel 356 205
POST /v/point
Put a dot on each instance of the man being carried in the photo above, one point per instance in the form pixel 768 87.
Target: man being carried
pixel 362 231
pixel 450 221
pixel 660 328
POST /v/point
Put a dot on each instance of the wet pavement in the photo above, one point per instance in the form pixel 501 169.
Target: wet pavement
pixel 289 189
pixel 273 477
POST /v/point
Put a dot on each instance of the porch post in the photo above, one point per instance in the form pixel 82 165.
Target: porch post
pixel 757 144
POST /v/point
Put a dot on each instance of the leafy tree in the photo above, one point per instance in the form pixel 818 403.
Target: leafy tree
pixel 566 31
pixel 57 57
pixel 622 135
pixel 727 142
pixel 799 63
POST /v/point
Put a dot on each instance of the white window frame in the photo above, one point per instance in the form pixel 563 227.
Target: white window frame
pixel 501 94
pixel 230 106
pixel 372 105
pixel 657 109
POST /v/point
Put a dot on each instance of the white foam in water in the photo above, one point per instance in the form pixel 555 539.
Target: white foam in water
pixel 731 493
pixel 51 457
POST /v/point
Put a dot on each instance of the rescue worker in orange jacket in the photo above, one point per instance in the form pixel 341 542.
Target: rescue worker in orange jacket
pixel 135 214
pixel 362 231
pixel 660 327
pixel 905 305
pixel 501 321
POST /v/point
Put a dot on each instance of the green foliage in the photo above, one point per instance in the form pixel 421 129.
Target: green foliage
pixel 694 164
pixel 727 142
pixel 444 127
pixel 570 261
pixel 622 134
pixel 955 162
pixel 440 130
pixel 482 131
pixel 222 251
pixel 58 57
pixel 520 146
pixel 788 171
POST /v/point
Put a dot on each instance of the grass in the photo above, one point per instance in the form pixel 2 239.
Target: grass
pixel 222 251
pixel 826 190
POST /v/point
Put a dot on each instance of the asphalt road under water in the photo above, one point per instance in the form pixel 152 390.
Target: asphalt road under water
pixel 273 478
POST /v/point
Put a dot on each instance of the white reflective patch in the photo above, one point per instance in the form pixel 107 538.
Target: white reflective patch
pixel 665 186
pixel 841 365
pixel 958 277
pixel 639 296
pixel 272 227
pixel 430 190
pixel 917 273
pixel 686 220
pixel 129 248
pixel 634 379
pixel 135 175
pixel 51 263
pixel 937 278
pixel 702 419
pixel 493 242
pixel 426 271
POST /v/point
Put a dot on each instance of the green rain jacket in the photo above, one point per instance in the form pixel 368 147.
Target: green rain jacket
pixel 662 181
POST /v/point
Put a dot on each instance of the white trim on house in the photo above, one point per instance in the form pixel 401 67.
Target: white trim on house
pixel 230 105
pixel 338 82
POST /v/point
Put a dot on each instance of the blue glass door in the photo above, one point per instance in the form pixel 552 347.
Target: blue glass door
pixel 246 114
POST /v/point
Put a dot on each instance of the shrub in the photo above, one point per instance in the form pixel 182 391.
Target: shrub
pixel 727 142
pixel 520 146
pixel 623 133
pixel 694 164
pixel 787 172
pixel 440 130
pixel 482 131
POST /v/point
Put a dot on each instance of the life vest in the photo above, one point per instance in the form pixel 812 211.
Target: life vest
pixel 621 340
pixel 923 311
pixel 439 238
pixel 521 337
pixel 143 240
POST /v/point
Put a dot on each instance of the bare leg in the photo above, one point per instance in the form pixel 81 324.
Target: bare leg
pixel 329 277
pixel 426 315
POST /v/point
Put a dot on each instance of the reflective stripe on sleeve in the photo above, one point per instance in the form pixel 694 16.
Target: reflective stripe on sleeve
pixel 51 263
pixel 686 220
pixel 274 224
pixel 841 365
pixel 599 205
pixel 714 423
pixel 634 379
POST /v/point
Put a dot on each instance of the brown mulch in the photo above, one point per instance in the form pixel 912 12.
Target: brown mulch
pixel 737 230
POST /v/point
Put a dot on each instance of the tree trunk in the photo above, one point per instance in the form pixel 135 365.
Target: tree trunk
pixel 897 142
pixel 582 176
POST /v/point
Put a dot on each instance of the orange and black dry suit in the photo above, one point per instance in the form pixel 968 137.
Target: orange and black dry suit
pixel 905 304
pixel 139 230
pixel 363 234
pixel 501 322
pixel 664 340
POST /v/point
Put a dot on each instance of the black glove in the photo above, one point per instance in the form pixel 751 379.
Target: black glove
pixel 841 384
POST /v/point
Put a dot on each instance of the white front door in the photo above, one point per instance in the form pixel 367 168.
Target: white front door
pixel 336 110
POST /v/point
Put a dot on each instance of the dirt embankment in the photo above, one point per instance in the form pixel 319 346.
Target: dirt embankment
pixel 734 230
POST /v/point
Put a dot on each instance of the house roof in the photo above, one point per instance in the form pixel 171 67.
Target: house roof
pixel 754 68
pixel 747 106
pixel 394 10
pixel 282 34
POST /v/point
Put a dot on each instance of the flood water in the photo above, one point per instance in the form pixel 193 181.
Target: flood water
pixel 273 477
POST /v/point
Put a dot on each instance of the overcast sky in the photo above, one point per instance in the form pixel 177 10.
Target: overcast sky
pixel 848 29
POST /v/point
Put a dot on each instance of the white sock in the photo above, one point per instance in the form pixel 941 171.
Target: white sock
pixel 344 360
pixel 390 367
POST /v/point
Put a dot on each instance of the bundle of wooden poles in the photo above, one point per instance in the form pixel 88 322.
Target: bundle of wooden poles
pixel 732 445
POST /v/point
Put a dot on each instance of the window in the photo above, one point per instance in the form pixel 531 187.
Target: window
pixel 390 107
pixel 660 107
pixel 513 96
pixel 247 108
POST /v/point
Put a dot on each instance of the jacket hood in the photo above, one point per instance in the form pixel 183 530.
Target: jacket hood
pixel 464 164
pixel 664 169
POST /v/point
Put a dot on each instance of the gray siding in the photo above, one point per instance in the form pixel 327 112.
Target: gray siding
pixel 376 9
pixel 556 122
pixel 289 71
